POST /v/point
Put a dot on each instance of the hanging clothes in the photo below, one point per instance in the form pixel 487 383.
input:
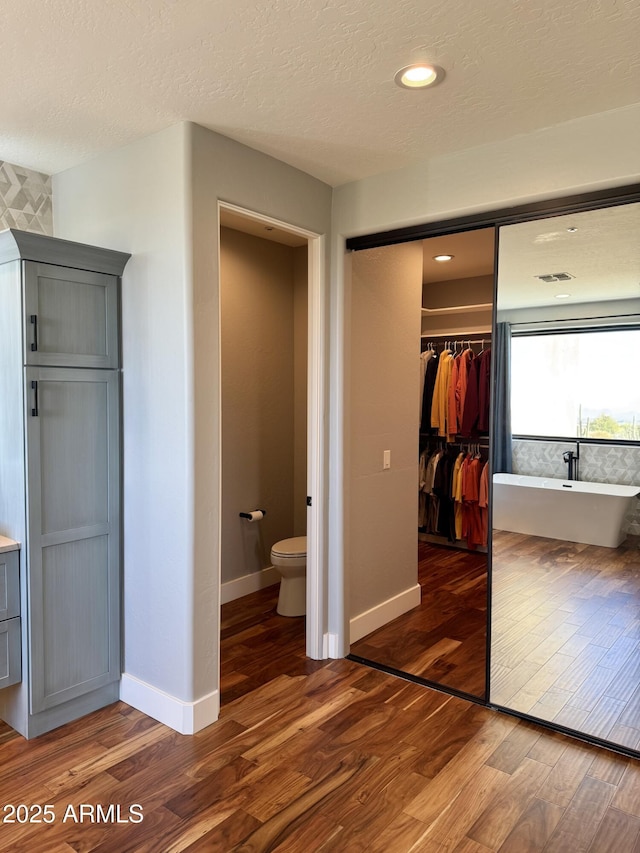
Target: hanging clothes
pixel 452 412
pixel 456 492
pixel 475 418
pixel 431 370
pixel 439 405
pixel 471 520
pixel 464 365
pixel 425 357
pixel 483 503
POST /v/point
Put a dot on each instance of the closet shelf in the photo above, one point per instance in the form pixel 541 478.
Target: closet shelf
pixel 461 334
pixel 481 306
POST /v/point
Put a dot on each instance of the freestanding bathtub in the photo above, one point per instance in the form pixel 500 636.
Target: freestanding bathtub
pixel 572 510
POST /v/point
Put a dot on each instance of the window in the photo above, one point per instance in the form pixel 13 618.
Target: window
pixel 578 384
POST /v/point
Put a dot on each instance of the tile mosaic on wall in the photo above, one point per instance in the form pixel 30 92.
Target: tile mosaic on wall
pixel 599 463
pixel 25 199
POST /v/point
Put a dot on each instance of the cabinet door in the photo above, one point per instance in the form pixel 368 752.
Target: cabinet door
pixel 9 585
pixel 73 547
pixel 70 317
pixel 10 658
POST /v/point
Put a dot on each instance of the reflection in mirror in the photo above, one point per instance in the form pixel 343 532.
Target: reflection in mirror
pixel 441 635
pixel 565 643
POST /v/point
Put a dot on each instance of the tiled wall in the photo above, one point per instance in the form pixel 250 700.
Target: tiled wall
pixel 25 199
pixel 599 463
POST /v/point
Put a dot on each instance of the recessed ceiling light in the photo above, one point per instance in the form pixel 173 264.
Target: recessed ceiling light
pixel 442 258
pixel 419 76
pixel 562 295
pixel 572 230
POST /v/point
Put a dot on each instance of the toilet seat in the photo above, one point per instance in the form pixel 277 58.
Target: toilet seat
pixel 290 549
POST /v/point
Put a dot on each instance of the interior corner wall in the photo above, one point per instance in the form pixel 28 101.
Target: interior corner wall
pixel 135 199
pixel 158 199
pixel 257 291
pixel 224 170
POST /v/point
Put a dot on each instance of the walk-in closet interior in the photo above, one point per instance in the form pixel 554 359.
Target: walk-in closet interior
pixel 521 587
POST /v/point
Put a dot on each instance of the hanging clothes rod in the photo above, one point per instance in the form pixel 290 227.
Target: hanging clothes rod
pixel 458 339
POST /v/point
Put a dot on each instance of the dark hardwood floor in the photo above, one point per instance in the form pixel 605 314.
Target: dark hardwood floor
pixel 329 756
pixel 566 633
pixel 444 639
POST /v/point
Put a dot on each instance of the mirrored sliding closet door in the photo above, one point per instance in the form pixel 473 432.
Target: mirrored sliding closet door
pixel 420 367
pixel 565 638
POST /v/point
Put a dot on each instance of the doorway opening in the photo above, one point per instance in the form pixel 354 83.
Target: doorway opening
pixel 423 312
pixel 272 442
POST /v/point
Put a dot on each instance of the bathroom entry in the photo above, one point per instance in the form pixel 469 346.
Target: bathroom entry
pixel 264 310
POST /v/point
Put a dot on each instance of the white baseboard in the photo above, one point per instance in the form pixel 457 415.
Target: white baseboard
pixel 184 717
pixel 331 646
pixel 231 590
pixel 382 613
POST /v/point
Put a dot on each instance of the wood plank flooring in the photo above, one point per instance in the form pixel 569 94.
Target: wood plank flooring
pixel 336 758
pixel 256 644
pixel 340 759
pixel 444 639
pixel 566 633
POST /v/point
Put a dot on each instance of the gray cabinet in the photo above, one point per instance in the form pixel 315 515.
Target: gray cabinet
pixel 70 317
pixel 73 531
pixel 10 643
pixel 60 473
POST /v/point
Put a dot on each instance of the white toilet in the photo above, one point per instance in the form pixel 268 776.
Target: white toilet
pixel 289 557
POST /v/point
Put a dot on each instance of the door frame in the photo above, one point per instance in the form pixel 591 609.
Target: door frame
pixel 316 617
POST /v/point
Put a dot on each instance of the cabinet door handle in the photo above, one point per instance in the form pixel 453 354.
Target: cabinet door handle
pixel 33 319
pixel 34 410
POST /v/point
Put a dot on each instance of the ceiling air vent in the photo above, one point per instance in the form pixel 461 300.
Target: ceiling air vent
pixel 555 276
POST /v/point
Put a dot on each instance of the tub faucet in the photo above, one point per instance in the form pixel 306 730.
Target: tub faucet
pixel 571 459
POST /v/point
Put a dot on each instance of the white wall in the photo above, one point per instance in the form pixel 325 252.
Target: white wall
pixel 581 155
pixel 136 199
pixel 158 199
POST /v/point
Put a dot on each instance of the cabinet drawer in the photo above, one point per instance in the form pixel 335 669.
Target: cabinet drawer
pixel 10 655
pixel 9 585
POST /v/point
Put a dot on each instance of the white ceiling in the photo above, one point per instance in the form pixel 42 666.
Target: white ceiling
pixel 308 81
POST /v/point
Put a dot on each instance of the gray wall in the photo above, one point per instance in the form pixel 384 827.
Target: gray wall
pixel 25 199
pixel 260 329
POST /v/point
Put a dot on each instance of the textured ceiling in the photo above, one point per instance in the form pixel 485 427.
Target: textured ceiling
pixel 602 256
pixel 308 81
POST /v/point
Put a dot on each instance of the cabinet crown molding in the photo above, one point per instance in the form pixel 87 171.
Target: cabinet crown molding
pixel 27 246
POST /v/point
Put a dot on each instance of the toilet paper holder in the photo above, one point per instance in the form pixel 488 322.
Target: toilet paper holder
pixel 256 515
